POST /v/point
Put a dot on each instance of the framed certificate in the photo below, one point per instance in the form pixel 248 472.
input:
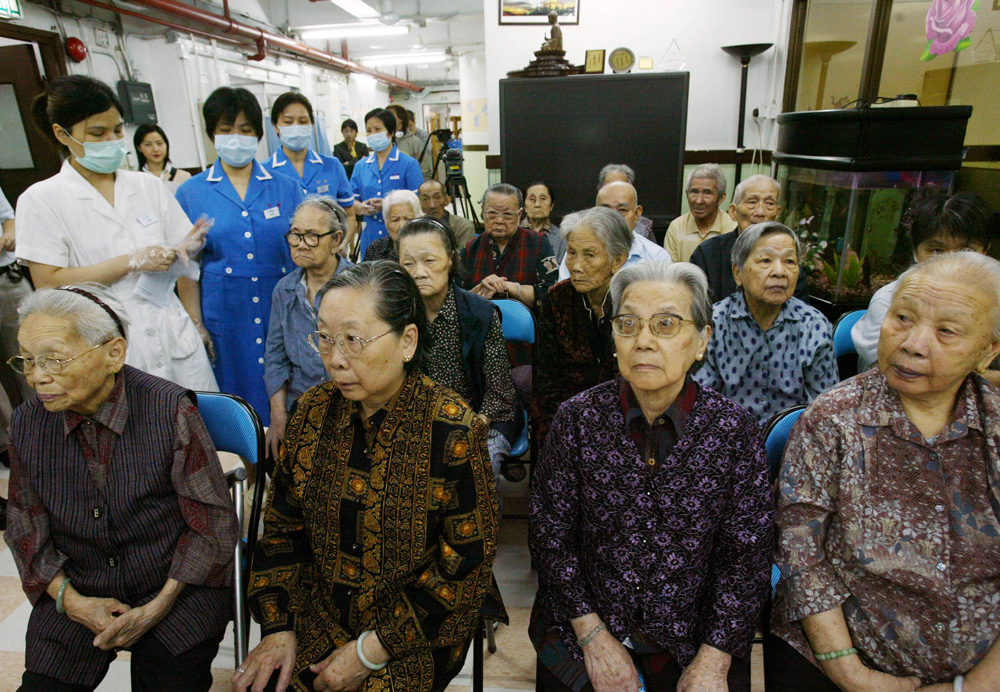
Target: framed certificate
pixel 595 62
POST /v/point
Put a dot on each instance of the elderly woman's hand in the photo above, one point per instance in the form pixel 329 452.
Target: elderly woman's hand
pixel 127 629
pixel 609 665
pixel 275 652
pixel 93 613
pixel 851 675
pixel 341 671
pixel 707 673
pixel 491 286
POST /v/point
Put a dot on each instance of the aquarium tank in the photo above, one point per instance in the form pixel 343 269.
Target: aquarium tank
pixel 848 178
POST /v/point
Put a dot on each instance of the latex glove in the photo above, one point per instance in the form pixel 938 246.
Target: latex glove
pixel 194 241
pixel 153 258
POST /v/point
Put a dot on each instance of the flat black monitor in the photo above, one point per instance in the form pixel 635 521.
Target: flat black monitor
pixel 563 130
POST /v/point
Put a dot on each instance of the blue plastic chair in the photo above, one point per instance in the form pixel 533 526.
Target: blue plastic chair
pixel 236 428
pixel 775 438
pixel 518 325
pixel 843 344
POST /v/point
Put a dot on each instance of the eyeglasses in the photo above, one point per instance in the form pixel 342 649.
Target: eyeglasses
pixel 52 366
pixel 665 324
pixel 507 216
pixel 310 239
pixel 348 344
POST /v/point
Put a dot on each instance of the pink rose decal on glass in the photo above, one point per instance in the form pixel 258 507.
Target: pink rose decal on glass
pixel 949 24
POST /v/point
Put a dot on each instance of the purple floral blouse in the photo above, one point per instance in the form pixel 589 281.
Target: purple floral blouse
pixel 682 549
pixel 901 532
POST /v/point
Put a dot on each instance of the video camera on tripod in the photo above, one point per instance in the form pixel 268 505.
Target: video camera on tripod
pixel 454 175
pixel 452 157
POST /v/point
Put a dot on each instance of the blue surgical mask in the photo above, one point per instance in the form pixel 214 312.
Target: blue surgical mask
pixel 101 157
pixel 236 150
pixel 379 141
pixel 296 137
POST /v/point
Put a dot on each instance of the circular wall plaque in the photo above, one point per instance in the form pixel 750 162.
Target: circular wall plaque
pixel 621 60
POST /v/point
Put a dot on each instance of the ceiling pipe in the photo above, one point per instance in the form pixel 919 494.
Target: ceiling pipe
pixel 163 22
pixel 229 26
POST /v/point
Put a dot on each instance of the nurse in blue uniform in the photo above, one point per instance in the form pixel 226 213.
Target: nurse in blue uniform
pixel 292 115
pixel 246 254
pixel 385 169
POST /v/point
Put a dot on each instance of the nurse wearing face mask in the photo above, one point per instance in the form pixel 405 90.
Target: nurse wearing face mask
pixel 292 115
pixel 95 222
pixel 384 170
pixel 246 254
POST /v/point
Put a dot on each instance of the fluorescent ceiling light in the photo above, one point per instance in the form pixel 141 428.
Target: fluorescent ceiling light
pixel 358 8
pixel 352 31
pixel 421 58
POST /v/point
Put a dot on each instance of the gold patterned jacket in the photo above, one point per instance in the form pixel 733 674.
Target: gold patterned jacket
pixel 385 524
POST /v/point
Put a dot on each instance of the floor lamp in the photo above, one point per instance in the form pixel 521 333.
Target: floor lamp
pixel 744 52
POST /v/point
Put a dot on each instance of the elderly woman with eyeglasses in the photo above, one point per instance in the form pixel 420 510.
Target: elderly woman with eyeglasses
pixel 291 366
pixel 120 521
pixel 651 511
pixel 380 531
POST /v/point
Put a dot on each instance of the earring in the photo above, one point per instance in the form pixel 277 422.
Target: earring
pixel 406 359
pixel 615 354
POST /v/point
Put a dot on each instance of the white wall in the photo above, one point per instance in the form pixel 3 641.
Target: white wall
pixel 184 73
pixel 648 27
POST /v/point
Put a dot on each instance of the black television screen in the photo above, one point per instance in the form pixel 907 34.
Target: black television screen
pixel 563 130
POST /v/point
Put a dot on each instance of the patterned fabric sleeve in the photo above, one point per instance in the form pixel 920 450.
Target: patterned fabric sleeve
pixel 282 566
pixel 27 534
pixel 546 268
pixel 807 503
pixel 552 521
pixel 552 379
pixel 744 546
pixel 499 392
pixel 441 605
pixel 204 553
pixel 821 373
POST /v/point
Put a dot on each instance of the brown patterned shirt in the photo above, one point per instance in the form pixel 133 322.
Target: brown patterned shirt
pixel 900 531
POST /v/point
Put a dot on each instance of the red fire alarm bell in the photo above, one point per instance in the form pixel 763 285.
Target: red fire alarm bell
pixel 76 49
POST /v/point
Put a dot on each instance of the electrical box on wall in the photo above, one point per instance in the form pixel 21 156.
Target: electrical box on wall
pixel 137 100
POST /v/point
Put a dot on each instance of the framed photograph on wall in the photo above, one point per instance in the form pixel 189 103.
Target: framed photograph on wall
pixel 537 11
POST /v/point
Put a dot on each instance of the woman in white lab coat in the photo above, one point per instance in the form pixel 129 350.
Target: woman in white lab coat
pixel 94 222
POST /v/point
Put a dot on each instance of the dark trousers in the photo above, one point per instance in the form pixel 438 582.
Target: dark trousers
pixel 664 680
pixel 153 669
pixel 786 670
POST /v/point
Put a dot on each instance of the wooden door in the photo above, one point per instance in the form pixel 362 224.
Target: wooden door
pixel 27 156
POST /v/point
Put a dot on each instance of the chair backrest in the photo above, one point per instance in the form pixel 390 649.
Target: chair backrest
pixel 776 435
pixel 518 323
pixel 233 425
pixel 843 344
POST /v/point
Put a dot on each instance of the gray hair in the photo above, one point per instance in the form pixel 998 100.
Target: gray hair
pixel 89 320
pixel 503 190
pixel 748 238
pixel 616 168
pixel 684 273
pixel 401 197
pixel 974 269
pixel 708 170
pixel 336 217
pixel 741 189
pixel 607 224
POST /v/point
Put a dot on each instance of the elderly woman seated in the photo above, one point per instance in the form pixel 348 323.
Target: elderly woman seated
pixel 939 223
pixel 651 512
pixel 468 353
pixel 120 521
pixel 889 541
pixel 575 347
pixel 770 349
pixel 380 530
pixel 398 208
pixel 290 365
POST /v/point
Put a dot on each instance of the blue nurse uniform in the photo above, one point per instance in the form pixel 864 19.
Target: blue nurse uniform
pixel 321 175
pixel 401 171
pixel 245 256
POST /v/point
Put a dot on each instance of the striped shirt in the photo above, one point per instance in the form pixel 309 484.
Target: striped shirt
pixel 121 501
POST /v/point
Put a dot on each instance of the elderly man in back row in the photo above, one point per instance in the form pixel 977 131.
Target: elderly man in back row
pixel 434 201
pixel 770 350
pixel 615 172
pixel 706 191
pixel 621 197
pixel 756 200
